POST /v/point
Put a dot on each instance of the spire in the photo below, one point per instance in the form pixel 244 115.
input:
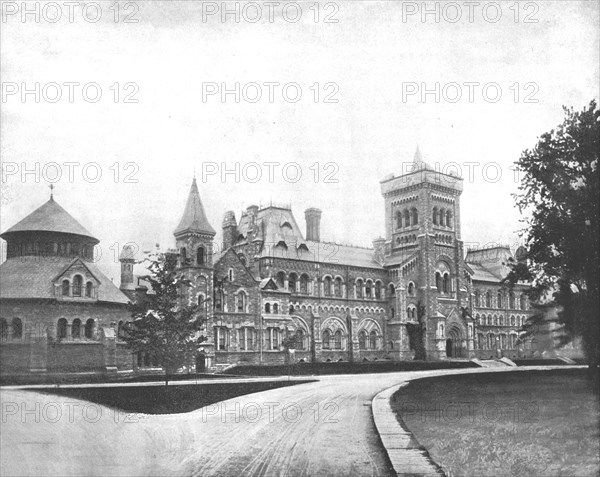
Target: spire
pixel 194 218
pixel 418 161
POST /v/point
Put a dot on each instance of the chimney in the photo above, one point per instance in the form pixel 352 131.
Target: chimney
pixel 313 224
pixel 229 227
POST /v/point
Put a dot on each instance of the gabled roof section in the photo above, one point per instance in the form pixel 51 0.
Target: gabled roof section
pixel 70 265
pixel 194 218
pixel 50 217
pixel 268 284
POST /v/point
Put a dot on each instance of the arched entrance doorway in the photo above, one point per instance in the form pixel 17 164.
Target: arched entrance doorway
pixel 454 346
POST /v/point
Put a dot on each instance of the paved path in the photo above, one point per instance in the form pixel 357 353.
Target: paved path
pixel 313 429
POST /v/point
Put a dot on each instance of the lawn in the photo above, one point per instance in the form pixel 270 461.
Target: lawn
pixel 531 423
pixel 170 399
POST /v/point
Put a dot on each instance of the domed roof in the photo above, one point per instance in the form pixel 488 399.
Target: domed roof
pixel 50 217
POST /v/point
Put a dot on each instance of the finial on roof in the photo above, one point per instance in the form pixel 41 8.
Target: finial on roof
pixel 418 157
pixel 418 161
pixel 51 191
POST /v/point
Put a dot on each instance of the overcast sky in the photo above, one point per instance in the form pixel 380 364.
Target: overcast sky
pixel 370 56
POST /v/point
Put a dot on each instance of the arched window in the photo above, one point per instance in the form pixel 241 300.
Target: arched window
pixel 411 289
pixel 511 300
pixel 477 299
pixel 392 289
pixel 183 254
pixel 398 220
pixel 446 283
pixel 88 289
pixel 267 308
pixel 513 341
pixel 435 216
pixel 406 218
pixel 414 216
pixel 292 280
pixel 3 329
pixel 359 288
pixel 481 341
pixel 362 340
pixel 230 275
pixel 326 339
pixel 280 279
pixel 523 300
pixel 89 329
pixel 438 282
pixel 488 299
pixel 17 329
pixel 495 320
pixel 65 287
pixel 219 300
pixel 200 256
pixel 448 219
pixel 442 217
pixel 337 338
pixel 500 299
pixel 338 287
pixel 373 340
pixel 120 330
pixel 368 289
pixel 378 290
pixel 304 284
pixel 77 285
pixel 76 328
pixel 61 329
pixel 327 286
pixel 241 302
pixel 221 337
pixel 275 308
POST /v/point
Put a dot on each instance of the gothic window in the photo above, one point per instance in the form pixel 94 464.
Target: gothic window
pixel 373 340
pixel 359 288
pixel 61 329
pixel 200 256
pixel 77 284
pixel 275 308
pixel 414 216
pixel 495 320
pixel 442 217
pixel 65 287
pixel 219 299
pixel 406 218
pixel 280 280
pixel 523 300
pixel 362 340
pixel 477 299
pixel 500 300
pixel 338 287
pixel 17 329
pixel 337 339
pixel 76 328
pixel 438 281
pixel 326 339
pixel 392 289
pixel 368 290
pixel 267 308
pixel 89 329
pixel 435 216
pixel 304 284
pixel 300 338
pixel 230 275
pixel 512 321
pixel 411 289
pixel 378 290
pixel 448 219
pixel 398 220
pixel 241 302
pixel 327 286
pixel 511 300
pixel 292 280
pixel 488 299
pixel 88 289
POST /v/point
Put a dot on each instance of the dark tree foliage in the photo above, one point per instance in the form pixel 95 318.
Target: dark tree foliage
pixel 163 324
pixel 559 195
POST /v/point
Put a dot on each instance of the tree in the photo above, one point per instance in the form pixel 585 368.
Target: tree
pixel 163 326
pixel 559 196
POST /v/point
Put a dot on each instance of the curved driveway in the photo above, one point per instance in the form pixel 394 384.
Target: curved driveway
pixel 313 429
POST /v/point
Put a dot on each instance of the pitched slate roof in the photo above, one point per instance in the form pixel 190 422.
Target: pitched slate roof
pixel 194 218
pixel 480 273
pixel 50 217
pixel 32 277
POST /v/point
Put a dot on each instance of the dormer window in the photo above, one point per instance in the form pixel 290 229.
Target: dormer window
pixel 65 287
pixel 88 289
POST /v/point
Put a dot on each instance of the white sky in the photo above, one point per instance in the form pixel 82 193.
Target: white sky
pixel 369 53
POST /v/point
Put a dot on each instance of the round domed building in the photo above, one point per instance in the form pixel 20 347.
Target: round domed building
pixel 58 312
